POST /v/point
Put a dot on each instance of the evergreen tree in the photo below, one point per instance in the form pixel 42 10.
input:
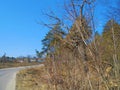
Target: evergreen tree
pixel 108 40
pixel 52 40
pixel 79 36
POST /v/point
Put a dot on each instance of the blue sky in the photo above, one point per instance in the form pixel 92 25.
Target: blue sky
pixel 20 34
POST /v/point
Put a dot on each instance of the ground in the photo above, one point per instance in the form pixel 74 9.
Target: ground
pixel 31 79
pixel 9 65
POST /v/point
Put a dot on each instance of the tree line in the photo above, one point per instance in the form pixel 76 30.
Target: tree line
pixel 6 59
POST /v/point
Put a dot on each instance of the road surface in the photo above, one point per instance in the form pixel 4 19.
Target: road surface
pixel 8 77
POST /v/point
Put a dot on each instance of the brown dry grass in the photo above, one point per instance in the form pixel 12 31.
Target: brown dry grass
pixel 32 79
pixel 38 79
pixel 9 65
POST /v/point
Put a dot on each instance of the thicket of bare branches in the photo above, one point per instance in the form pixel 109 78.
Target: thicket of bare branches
pixel 74 61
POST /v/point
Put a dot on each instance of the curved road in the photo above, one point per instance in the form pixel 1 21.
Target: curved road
pixel 8 77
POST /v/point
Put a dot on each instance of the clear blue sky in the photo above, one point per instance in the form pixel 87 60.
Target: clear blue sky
pixel 20 34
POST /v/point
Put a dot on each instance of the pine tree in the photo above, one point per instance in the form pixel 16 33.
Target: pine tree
pixel 108 40
pixel 53 39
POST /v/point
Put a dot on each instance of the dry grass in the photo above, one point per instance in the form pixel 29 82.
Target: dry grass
pixel 38 79
pixel 9 65
pixel 32 79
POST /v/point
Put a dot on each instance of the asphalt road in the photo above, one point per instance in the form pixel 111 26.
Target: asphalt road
pixel 8 77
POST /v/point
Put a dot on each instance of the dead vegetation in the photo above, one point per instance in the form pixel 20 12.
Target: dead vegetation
pixel 77 60
pixel 11 65
pixel 32 79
